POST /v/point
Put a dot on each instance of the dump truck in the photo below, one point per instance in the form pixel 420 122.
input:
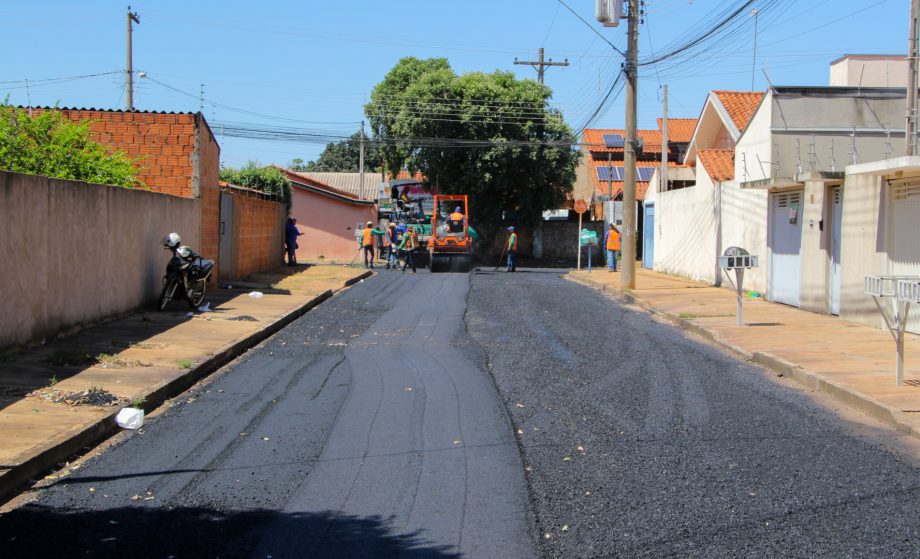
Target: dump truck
pixel 450 244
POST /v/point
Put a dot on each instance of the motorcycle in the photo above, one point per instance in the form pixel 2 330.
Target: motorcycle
pixel 187 273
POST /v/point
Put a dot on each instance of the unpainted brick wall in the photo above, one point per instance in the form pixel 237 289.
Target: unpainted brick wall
pixel 206 181
pixel 258 234
pixel 163 144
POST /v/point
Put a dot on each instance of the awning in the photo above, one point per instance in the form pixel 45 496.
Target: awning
pixel 771 184
pixel 889 168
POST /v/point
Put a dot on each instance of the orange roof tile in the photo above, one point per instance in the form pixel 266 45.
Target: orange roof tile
pixel 680 129
pixel 740 105
pixel 719 163
pixel 594 138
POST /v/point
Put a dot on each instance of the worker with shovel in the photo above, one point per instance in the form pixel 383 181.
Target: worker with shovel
pixel 512 250
pixel 367 242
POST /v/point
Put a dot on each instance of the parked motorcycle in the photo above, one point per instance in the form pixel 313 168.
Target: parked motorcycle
pixel 186 274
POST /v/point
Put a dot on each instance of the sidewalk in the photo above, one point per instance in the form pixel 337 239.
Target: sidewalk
pixel 851 362
pixel 149 355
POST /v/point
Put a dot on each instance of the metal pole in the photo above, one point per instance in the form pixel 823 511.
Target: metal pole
pixel 589 258
pixel 663 180
pixel 912 59
pixel 754 13
pixel 579 241
pixel 361 162
pixel 628 277
pixel 739 277
pixel 129 70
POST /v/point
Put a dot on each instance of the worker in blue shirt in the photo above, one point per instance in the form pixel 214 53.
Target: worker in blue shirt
pixel 290 239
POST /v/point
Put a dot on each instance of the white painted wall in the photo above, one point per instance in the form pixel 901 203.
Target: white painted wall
pixel 685 230
pixel 864 245
pixel 744 224
pixel 873 73
pixel 753 153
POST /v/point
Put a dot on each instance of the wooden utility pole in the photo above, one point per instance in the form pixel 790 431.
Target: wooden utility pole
pixel 129 70
pixel 540 65
pixel 910 129
pixel 628 276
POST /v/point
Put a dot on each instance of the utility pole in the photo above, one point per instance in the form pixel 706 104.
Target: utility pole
pixel 129 70
pixel 201 99
pixel 754 13
pixel 910 130
pixel 361 162
pixel 540 64
pixel 663 180
pixel 628 276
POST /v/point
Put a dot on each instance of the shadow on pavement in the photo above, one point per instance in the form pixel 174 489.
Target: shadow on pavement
pixel 141 531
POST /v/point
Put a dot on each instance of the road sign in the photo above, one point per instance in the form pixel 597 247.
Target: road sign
pixel 581 206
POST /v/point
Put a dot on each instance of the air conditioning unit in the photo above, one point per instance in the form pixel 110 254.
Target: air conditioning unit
pixel 608 12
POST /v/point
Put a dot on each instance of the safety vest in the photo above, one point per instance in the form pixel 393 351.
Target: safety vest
pixel 512 242
pixel 456 216
pixel 613 240
pixel 368 238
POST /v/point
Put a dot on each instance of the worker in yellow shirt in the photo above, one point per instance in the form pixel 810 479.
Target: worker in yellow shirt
pixel 612 244
pixel 512 250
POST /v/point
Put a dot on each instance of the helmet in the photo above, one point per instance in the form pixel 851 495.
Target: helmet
pixel 184 252
pixel 172 240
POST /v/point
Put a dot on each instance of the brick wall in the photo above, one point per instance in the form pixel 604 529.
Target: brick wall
pixel 206 184
pixel 258 234
pixel 163 144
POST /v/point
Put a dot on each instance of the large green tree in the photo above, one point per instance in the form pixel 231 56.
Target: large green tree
pixel 48 144
pixel 491 136
pixel 344 156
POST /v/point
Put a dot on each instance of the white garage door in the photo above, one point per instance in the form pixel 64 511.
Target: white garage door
pixel 785 247
pixel 904 254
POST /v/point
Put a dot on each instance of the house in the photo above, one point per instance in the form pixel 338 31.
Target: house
pixel 769 179
pixel 327 215
pixel 869 70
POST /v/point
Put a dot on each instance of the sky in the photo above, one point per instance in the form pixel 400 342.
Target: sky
pixel 313 63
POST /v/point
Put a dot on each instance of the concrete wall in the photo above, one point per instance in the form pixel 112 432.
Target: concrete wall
pixel 685 230
pixel 328 225
pixel 744 224
pixel 560 239
pixel 77 252
pixel 258 234
pixel 878 72
pixel 863 247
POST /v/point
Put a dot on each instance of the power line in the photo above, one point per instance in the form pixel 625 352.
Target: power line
pixel 592 28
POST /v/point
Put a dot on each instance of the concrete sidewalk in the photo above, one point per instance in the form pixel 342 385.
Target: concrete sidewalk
pixel 150 355
pixel 851 362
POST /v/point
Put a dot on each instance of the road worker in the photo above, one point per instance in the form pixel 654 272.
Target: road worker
pixel 457 221
pixel 407 246
pixel 367 243
pixel 512 250
pixel 612 244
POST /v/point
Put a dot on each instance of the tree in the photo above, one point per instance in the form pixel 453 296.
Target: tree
pixel 257 177
pixel 344 156
pixel 487 135
pixel 49 144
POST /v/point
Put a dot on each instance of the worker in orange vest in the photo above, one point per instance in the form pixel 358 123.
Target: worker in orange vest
pixel 367 242
pixel 457 221
pixel 612 244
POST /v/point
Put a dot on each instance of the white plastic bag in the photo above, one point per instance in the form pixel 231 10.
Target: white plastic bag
pixel 256 294
pixel 130 418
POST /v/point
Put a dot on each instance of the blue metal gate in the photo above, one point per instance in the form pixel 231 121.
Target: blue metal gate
pixel 648 237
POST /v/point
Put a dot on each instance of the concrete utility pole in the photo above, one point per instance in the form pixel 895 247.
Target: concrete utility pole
pixel 663 179
pixel 129 70
pixel 912 58
pixel 361 163
pixel 628 276
pixel 540 64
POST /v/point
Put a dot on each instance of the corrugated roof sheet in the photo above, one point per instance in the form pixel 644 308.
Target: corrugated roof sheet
pixel 46 108
pixel 347 182
pixel 719 163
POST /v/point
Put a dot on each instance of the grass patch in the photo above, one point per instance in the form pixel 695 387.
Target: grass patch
pixel 71 357
pixel 186 363
pixel 687 315
pixel 138 402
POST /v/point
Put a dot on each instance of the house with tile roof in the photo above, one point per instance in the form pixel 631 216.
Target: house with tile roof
pixel 768 170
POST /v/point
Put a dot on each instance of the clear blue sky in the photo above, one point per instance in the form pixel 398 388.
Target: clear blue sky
pixel 316 61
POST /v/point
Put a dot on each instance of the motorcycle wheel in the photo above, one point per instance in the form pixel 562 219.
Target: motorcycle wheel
pixel 169 290
pixel 196 296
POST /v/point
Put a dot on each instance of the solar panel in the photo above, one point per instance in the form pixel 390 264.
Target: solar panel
pixel 645 173
pixel 603 173
pixel 614 140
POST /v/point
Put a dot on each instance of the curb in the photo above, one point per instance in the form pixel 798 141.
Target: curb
pixel 809 379
pixel 19 475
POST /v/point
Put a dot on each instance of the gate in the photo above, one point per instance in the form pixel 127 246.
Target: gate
pixel 786 246
pixel 225 251
pixel 648 238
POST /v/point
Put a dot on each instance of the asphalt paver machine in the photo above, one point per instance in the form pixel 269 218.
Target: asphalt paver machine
pixel 451 243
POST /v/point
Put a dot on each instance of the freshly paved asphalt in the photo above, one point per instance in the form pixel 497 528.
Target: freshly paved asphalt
pixel 368 428
pixel 372 427
pixel 684 451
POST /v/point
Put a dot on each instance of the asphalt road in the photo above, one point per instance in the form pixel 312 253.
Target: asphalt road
pixel 641 442
pixel 368 428
pixel 491 415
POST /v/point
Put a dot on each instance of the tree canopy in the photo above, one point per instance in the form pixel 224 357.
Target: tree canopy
pixel 344 156
pixel 257 177
pixel 48 144
pixel 490 136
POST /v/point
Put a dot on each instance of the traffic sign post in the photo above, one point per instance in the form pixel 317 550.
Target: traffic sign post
pixel 581 207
